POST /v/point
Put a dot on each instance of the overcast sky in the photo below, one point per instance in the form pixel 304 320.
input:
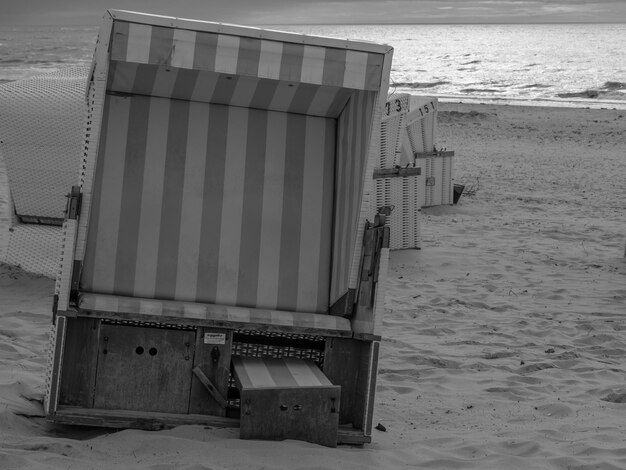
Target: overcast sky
pixel 89 12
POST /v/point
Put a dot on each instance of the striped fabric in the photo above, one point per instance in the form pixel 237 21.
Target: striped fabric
pixel 196 311
pixel 354 130
pixel 233 90
pixel 245 56
pixel 209 203
pixel 230 169
pixel 287 372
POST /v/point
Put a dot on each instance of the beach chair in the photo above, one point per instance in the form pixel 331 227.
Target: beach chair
pixel 397 179
pixel 223 260
pixel 420 138
pixel 410 174
pixel 41 138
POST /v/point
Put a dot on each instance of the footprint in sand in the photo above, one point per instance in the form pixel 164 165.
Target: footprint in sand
pixel 555 410
pixel 615 397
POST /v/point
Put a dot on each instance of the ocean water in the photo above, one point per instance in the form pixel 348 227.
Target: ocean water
pixel 559 64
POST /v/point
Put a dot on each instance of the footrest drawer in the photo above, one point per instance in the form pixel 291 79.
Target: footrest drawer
pixel 286 398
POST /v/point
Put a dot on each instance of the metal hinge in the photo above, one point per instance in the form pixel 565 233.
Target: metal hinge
pixel 55 308
pixel 74 199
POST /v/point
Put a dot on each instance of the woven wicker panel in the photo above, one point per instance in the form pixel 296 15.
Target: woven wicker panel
pixel 407 195
pixel 447 188
pixel 438 174
pixel 35 248
pixel 392 123
pixel 6 212
pixel 52 337
pixel 42 128
pixel 268 344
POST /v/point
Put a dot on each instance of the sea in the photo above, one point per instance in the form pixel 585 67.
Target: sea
pixel 580 65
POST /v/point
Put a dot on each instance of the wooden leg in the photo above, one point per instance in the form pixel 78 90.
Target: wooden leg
pixel 78 368
pixel 352 364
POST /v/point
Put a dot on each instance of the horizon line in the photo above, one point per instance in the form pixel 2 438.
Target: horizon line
pixel 386 23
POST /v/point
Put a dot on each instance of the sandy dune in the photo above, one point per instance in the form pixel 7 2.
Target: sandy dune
pixel 505 335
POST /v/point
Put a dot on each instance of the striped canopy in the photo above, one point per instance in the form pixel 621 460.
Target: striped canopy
pixel 246 56
pixel 229 167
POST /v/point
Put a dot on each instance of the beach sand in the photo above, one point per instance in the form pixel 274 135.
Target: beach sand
pixel 504 337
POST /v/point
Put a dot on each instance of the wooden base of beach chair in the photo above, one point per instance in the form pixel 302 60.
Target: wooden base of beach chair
pixel 286 399
pixel 103 374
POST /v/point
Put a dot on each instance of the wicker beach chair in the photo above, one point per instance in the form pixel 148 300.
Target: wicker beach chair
pixel 41 139
pixel 398 182
pixel 222 262
pixel 436 165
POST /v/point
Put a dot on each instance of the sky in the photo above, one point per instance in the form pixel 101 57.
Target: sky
pixel 259 12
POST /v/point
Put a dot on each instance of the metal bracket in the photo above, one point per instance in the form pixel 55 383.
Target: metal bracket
pixel 55 308
pixel 74 200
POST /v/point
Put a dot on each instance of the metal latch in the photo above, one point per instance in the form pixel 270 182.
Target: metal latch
pixel 74 199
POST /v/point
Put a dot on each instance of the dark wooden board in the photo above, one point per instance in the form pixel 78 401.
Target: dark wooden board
pixel 341 366
pixel 121 419
pixel 353 365
pixel 213 349
pixel 144 369
pixel 306 414
pixel 78 370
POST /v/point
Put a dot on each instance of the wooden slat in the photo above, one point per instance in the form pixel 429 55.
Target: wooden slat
pixel 78 374
pixel 341 365
pixel 136 419
pixel 445 153
pixel 209 386
pixel 212 323
pixel 350 436
pixel 396 172
pixel 233 316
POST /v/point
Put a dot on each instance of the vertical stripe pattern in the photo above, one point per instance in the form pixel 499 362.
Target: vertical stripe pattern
pixel 230 169
pixel 354 131
pixel 211 203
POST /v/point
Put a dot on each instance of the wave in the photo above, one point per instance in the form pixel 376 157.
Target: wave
pixel 580 94
pixel 472 62
pixel 613 86
pixel 416 85
pixel 34 61
pixel 535 85
pixel 610 90
pixel 480 90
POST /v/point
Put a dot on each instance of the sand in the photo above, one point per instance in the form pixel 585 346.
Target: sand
pixel 504 336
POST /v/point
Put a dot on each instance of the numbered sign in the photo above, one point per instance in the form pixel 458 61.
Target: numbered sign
pixel 396 106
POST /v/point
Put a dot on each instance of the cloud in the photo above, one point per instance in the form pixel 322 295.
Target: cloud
pixel 323 11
